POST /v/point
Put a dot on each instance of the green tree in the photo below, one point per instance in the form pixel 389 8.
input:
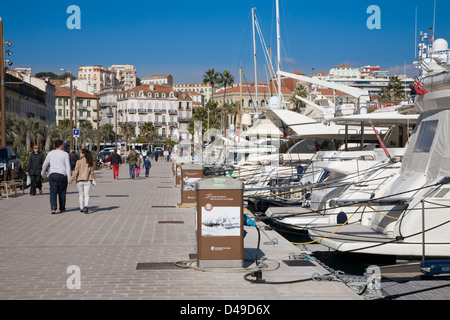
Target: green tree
pixel 393 91
pixel 107 133
pixel 301 91
pixel 34 132
pixel 225 79
pixel 211 77
pixel 149 131
pixel 201 114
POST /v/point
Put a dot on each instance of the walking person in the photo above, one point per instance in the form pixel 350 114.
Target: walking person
pixel 116 161
pixel 132 164
pixel 59 174
pixel 84 175
pixel 138 165
pixel 147 165
pixel 34 169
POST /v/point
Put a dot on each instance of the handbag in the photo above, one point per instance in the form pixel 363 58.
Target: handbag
pixel 94 182
pixel 28 180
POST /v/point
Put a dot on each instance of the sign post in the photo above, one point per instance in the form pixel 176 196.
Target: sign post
pixel 220 222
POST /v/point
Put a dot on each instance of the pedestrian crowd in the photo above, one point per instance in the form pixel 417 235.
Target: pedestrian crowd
pixel 62 168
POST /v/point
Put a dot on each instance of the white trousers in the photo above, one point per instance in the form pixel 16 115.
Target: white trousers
pixel 84 188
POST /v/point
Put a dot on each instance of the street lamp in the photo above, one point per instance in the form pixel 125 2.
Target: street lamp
pixel 2 81
pixel 70 112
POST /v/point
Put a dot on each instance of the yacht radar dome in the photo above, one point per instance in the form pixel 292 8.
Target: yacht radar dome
pixel 274 103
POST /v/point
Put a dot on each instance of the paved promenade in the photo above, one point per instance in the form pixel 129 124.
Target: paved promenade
pixel 133 222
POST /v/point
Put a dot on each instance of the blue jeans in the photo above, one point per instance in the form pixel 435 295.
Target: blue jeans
pixel 132 171
pixel 58 188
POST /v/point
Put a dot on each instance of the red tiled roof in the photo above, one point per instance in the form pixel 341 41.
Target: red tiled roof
pixel 342 66
pixel 156 87
pixel 329 92
pixel 64 92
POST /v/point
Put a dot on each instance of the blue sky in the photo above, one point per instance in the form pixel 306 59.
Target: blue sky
pixel 186 38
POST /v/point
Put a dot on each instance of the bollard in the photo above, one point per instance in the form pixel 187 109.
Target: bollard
pixel 178 173
pixel 220 223
pixel 190 174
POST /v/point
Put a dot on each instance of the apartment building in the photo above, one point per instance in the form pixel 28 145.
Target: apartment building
pixel 46 88
pixel 204 89
pixel 101 77
pixel 108 105
pixel 25 99
pixel 125 75
pixel 149 103
pixel 161 79
pixel 84 107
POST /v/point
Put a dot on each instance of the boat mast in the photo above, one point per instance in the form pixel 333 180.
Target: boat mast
pixel 254 58
pixel 278 51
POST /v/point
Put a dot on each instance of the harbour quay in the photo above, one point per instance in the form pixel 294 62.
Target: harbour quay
pixel 139 243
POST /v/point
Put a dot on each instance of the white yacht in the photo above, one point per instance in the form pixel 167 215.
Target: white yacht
pixel 410 216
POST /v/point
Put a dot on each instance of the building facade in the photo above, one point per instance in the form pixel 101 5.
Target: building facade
pixel 101 77
pixel 125 75
pixel 43 85
pixel 26 99
pixel 203 89
pixel 156 104
pixel 84 107
pixel 159 79
pixel 108 106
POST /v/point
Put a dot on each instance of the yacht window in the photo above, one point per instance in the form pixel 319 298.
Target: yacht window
pixel 426 136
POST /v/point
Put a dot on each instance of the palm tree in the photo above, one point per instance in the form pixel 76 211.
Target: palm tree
pixel 34 132
pixel 107 133
pixel 87 133
pixel 149 131
pixel 301 91
pixel 225 79
pixel 54 132
pixel 127 129
pixel 14 130
pixel 232 109
pixel 211 77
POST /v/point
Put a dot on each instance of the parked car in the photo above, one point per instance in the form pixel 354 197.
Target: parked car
pixel 104 154
pixel 10 164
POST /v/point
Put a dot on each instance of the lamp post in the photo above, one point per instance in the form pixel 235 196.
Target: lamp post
pixel 2 84
pixel 70 112
pixel 98 124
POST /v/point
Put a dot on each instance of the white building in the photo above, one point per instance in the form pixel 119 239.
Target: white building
pixel 125 75
pixel 46 114
pixel 149 103
pixel 101 77
pixel 108 105
pixel 84 107
pixel 161 79
pixel 204 89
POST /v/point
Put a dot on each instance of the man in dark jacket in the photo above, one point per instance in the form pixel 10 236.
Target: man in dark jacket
pixel 34 169
pixel 116 160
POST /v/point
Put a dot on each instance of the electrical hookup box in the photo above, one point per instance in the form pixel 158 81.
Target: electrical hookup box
pixel 220 222
pixel 190 174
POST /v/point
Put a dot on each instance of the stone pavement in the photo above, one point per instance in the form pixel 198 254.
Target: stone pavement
pixel 132 222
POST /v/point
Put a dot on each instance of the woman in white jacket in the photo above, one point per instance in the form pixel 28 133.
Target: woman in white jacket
pixel 84 175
